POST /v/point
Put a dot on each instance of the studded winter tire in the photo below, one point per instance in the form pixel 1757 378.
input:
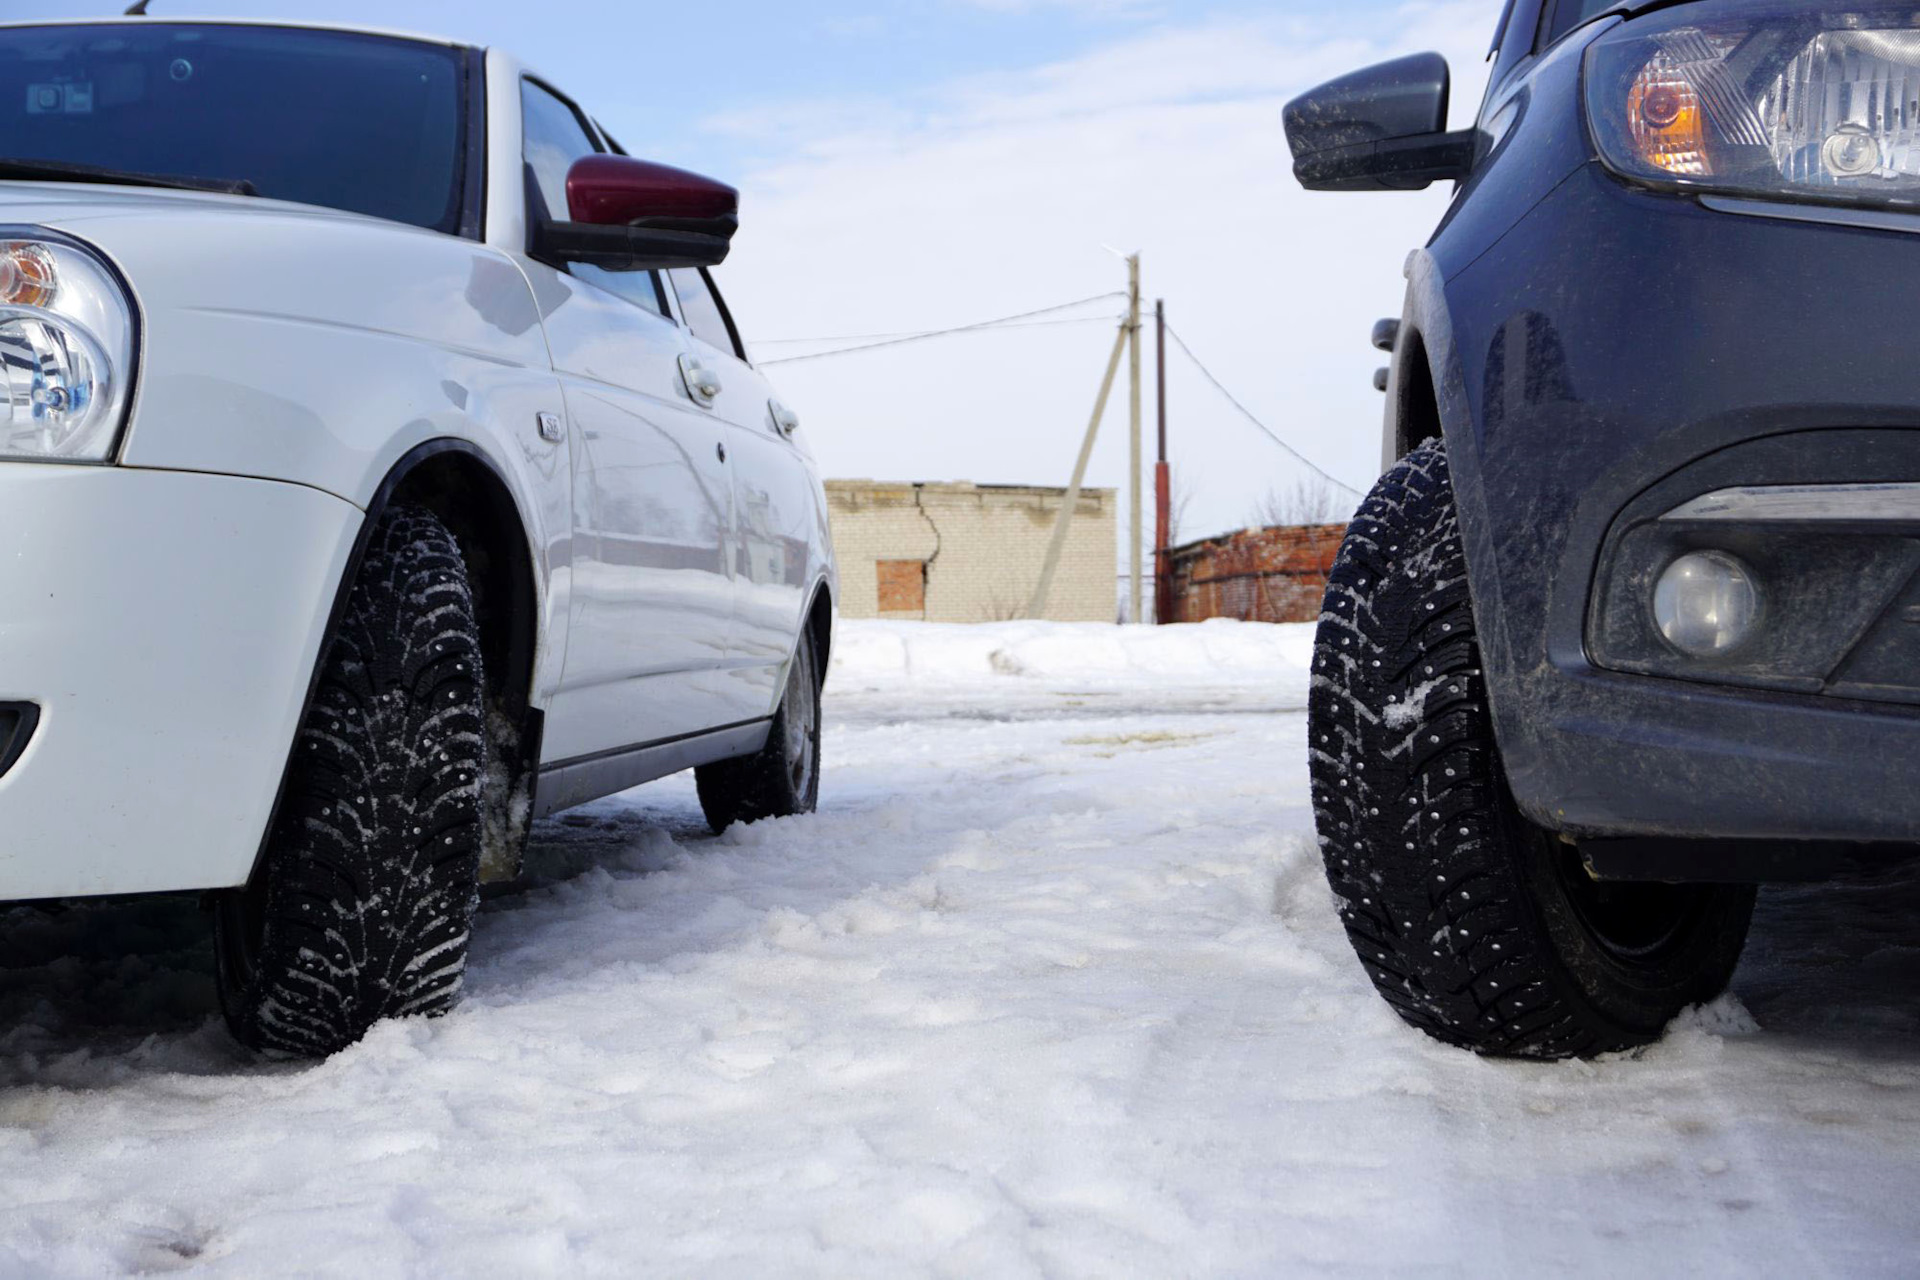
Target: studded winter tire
pixel 1479 928
pixel 784 778
pixel 361 905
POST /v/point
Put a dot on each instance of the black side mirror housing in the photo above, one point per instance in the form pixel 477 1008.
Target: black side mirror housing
pixel 1381 129
pixel 656 244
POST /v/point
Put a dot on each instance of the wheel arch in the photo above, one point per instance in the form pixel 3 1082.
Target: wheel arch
pixel 458 482
pixel 1415 405
pixel 819 626
pixel 461 485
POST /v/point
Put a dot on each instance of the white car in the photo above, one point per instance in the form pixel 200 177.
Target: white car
pixel 379 470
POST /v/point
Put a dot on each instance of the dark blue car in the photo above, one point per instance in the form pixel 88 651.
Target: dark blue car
pixel 1632 623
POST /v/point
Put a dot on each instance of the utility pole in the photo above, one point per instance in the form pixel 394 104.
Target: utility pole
pixel 1133 344
pixel 1037 607
pixel 1162 482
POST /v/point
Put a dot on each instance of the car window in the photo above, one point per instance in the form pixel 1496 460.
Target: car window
pixel 642 288
pixel 368 124
pixel 706 314
pixel 553 137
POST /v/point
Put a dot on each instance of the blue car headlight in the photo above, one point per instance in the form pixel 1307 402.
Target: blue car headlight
pixel 1802 101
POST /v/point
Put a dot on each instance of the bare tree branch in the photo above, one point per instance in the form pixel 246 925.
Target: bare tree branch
pixel 1309 501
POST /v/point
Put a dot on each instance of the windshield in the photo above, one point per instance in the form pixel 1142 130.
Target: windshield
pixel 368 124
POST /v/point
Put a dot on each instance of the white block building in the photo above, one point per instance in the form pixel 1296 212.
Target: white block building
pixel 969 553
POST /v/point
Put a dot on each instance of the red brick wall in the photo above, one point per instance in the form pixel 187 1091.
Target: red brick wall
pixel 1258 575
pixel 903 586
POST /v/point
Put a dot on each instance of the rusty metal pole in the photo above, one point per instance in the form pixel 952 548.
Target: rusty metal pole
pixel 1137 613
pixel 1162 482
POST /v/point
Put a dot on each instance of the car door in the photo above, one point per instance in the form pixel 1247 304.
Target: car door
pixel 774 501
pixel 652 499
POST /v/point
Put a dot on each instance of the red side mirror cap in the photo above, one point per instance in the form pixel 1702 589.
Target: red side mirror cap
pixel 630 215
pixel 616 191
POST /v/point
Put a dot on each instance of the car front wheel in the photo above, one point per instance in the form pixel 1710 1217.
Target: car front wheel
pixel 1478 927
pixel 361 905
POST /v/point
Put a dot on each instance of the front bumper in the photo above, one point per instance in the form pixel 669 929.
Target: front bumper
pixel 1624 351
pixel 166 626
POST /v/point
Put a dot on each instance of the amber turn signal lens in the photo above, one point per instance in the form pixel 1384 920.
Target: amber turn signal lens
pixel 27 275
pixel 1665 121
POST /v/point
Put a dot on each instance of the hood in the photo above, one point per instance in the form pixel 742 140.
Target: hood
pixel 72 205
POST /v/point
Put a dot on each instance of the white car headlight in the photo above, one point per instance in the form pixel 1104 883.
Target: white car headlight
pixel 66 352
pixel 1806 101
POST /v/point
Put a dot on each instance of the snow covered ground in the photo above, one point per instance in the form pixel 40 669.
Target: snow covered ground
pixel 1051 986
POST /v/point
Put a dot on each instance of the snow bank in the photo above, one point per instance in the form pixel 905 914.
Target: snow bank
pixel 1218 652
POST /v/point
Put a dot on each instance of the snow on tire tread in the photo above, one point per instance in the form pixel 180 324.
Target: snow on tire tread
pixel 372 872
pixel 1407 794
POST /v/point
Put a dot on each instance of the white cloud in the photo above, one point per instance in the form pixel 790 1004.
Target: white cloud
pixel 992 195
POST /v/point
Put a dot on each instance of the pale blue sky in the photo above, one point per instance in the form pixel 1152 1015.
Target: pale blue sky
pixel 919 164
pixel 700 60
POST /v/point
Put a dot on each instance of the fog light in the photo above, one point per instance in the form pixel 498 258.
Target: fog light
pixel 1706 603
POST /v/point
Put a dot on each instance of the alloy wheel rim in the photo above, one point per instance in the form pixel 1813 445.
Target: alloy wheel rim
pixel 802 722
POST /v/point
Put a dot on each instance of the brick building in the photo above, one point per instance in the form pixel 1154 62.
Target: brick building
pixel 969 553
pixel 1256 575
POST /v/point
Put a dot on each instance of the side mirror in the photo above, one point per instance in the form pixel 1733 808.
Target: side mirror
pixel 1381 129
pixel 634 215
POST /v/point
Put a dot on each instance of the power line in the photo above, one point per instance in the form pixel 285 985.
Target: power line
pixel 1248 415
pixel 941 333
pixel 871 337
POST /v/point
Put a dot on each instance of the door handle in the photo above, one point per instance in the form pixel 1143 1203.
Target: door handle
pixel 785 420
pixel 702 383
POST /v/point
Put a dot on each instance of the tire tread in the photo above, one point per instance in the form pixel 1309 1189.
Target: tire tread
pixel 370 878
pixel 1424 848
